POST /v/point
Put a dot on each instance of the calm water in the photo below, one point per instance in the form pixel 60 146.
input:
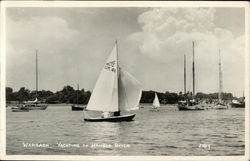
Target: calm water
pixel 168 132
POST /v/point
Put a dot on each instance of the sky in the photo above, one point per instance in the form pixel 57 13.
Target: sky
pixel 73 44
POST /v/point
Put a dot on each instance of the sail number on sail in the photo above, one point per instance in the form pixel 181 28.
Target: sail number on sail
pixel 110 66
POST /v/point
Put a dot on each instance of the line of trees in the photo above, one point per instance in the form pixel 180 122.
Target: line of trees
pixel 69 95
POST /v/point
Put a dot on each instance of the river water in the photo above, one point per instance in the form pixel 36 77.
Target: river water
pixel 60 131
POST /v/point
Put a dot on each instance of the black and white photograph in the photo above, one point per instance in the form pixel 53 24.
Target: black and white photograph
pixel 82 79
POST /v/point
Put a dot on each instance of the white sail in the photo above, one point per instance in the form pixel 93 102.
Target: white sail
pixel 35 101
pixel 129 91
pixel 105 94
pixel 156 102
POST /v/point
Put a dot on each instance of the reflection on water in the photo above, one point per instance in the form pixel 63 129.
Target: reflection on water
pixel 168 132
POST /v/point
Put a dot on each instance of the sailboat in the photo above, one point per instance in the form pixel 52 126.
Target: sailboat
pixel 20 108
pixel 220 104
pixel 237 104
pixel 77 107
pixel 115 91
pixel 156 104
pixel 35 105
pixel 187 104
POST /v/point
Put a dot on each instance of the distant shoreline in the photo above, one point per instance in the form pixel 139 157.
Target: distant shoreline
pixel 70 104
pixel 50 104
pixel 69 96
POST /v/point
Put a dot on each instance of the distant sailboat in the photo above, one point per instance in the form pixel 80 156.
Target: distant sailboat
pixel 187 105
pixel 238 103
pixel 156 104
pixel 35 105
pixel 115 91
pixel 19 108
pixel 77 107
pixel 220 104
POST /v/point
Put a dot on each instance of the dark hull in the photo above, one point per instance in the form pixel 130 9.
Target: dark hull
pixel 241 105
pixel 112 119
pixel 221 108
pixel 19 110
pixel 189 108
pixel 77 108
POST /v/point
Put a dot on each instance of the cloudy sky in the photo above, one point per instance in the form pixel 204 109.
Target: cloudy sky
pixel 73 44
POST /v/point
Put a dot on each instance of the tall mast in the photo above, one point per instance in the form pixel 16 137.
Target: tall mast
pixel 184 74
pixel 77 94
pixel 220 79
pixel 36 75
pixel 117 74
pixel 193 72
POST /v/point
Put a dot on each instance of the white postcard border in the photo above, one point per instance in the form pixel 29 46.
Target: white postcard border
pixel 6 4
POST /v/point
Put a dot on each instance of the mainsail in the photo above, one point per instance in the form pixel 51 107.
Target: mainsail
pixel 129 91
pixel 105 94
pixel 115 89
pixel 156 102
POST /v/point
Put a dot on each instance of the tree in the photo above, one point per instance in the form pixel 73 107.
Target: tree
pixel 23 94
pixel 9 94
pixel 53 99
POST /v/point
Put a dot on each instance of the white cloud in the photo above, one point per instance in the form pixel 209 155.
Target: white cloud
pixel 51 36
pixel 167 34
pixel 39 32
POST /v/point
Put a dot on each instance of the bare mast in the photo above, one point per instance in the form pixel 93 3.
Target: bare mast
pixel 193 69
pixel 36 75
pixel 77 94
pixel 184 74
pixel 220 80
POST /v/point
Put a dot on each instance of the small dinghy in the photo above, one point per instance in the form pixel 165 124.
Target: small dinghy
pixel 115 91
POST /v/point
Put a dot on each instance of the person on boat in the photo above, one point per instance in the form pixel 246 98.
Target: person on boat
pixel 105 114
pixel 117 113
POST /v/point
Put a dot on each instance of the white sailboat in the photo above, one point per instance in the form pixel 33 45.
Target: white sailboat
pixel 220 104
pixel 36 104
pixel 115 91
pixel 156 104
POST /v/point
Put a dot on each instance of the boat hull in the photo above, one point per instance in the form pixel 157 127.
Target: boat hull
pixel 77 108
pixel 18 110
pixel 111 119
pixel 221 107
pixel 240 105
pixel 36 106
pixel 189 108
